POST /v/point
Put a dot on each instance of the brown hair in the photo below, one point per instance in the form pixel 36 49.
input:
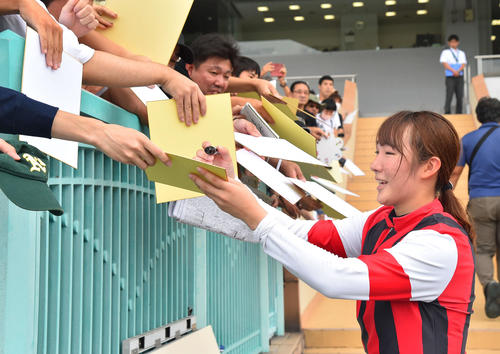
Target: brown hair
pixel 430 135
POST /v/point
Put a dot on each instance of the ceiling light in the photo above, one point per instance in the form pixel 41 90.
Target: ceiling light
pixel 294 7
pixel 421 12
pixel 358 4
pixel 390 2
pixel 262 8
pixel 423 1
pixel 329 17
pixel 390 13
pixel 495 22
pixel 298 18
pixel 326 6
pixel 493 37
pixel 268 19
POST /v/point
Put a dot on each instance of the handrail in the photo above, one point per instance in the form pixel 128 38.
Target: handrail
pixel 352 77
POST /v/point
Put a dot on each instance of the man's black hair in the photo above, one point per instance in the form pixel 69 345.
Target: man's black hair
pixel 292 88
pixel 488 110
pixel 214 45
pixel 329 105
pixel 453 37
pixel 245 64
pixel 325 77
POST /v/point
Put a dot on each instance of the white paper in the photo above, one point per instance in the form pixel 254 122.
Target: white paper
pixel 351 166
pixel 328 149
pixel 350 117
pixel 60 88
pixel 269 175
pixel 344 171
pixel 256 119
pixel 332 186
pixel 330 199
pixel 146 94
pixel 277 148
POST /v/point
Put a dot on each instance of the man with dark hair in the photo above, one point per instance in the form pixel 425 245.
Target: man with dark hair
pixel 213 62
pixel 326 87
pixel 480 152
pixel 454 61
pixel 246 67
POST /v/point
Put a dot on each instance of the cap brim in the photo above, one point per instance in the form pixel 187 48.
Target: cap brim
pixel 185 53
pixel 29 194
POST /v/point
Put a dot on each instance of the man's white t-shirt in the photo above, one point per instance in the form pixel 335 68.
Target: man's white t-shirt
pixel 80 52
pixel 454 57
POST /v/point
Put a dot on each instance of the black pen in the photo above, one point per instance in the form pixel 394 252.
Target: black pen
pixel 211 150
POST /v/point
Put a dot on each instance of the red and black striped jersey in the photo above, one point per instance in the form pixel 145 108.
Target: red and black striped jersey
pixel 413 276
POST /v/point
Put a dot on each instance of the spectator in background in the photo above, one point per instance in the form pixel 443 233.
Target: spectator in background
pixel 300 90
pixel 329 120
pixel 245 67
pixel 479 151
pixel 326 87
pixel 313 107
pixel 454 61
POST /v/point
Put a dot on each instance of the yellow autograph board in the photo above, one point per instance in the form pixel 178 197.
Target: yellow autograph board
pixel 149 28
pixel 174 137
pixel 175 175
pixel 289 130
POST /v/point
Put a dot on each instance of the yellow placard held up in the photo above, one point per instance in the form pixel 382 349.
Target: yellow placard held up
pixel 250 94
pixel 175 175
pixel 293 103
pixel 174 137
pixel 150 28
pixel 289 130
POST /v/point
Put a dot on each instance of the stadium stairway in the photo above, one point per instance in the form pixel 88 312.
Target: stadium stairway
pixel 329 326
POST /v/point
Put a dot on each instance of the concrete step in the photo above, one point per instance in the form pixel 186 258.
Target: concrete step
pixel 290 343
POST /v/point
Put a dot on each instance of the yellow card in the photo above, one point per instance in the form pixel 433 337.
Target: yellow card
pixel 331 212
pixel 177 174
pixel 149 28
pixel 282 106
pixel 292 103
pixel 314 170
pixel 176 138
pixel 335 171
pixel 289 130
pixel 251 94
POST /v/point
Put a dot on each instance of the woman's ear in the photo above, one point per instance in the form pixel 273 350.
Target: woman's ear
pixel 431 167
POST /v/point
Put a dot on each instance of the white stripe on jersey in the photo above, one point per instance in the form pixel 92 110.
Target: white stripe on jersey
pixel 429 258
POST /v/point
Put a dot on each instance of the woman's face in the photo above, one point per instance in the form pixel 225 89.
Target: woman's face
pixel 395 176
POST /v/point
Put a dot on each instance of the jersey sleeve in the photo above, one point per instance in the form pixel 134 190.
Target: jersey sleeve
pixel 20 114
pixel 418 268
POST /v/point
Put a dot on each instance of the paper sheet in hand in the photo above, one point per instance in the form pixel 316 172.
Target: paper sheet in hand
pixel 250 94
pixel 176 138
pixel 146 94
pixel 60 88
pixel 269 175
pixel 350 117
pixel 176 175
pixel 293 103
pixel 351 167
pixel 277 148
pixel 328 150
pixel 282 105
pixel 289 130
pixel 330 199
pixel 332 186
pixel 149 28
pixel 256 119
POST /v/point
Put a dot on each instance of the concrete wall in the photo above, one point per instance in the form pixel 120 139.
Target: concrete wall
pixel 388 80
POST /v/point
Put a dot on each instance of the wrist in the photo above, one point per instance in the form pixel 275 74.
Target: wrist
pixel 254 219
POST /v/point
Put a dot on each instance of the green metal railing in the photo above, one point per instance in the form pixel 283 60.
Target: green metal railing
pixel 114 265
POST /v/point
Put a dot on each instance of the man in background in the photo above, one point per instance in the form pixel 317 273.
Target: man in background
pixel 479 151
pixel 454 61
pixel 326 87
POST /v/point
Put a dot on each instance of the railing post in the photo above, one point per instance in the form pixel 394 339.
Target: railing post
pixel 280 306
pixel 264 301
pixel 18 278
pixel 200 277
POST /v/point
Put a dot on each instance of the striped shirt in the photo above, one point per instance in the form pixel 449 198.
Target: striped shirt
pixel 413 276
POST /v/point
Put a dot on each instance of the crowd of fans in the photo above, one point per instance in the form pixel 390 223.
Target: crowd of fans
pixel 212 64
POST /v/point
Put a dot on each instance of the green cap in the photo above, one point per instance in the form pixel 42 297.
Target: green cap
pixel 315 99
pixel 24 182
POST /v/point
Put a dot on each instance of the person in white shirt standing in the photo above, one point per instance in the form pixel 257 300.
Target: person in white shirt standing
pixel 454 61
